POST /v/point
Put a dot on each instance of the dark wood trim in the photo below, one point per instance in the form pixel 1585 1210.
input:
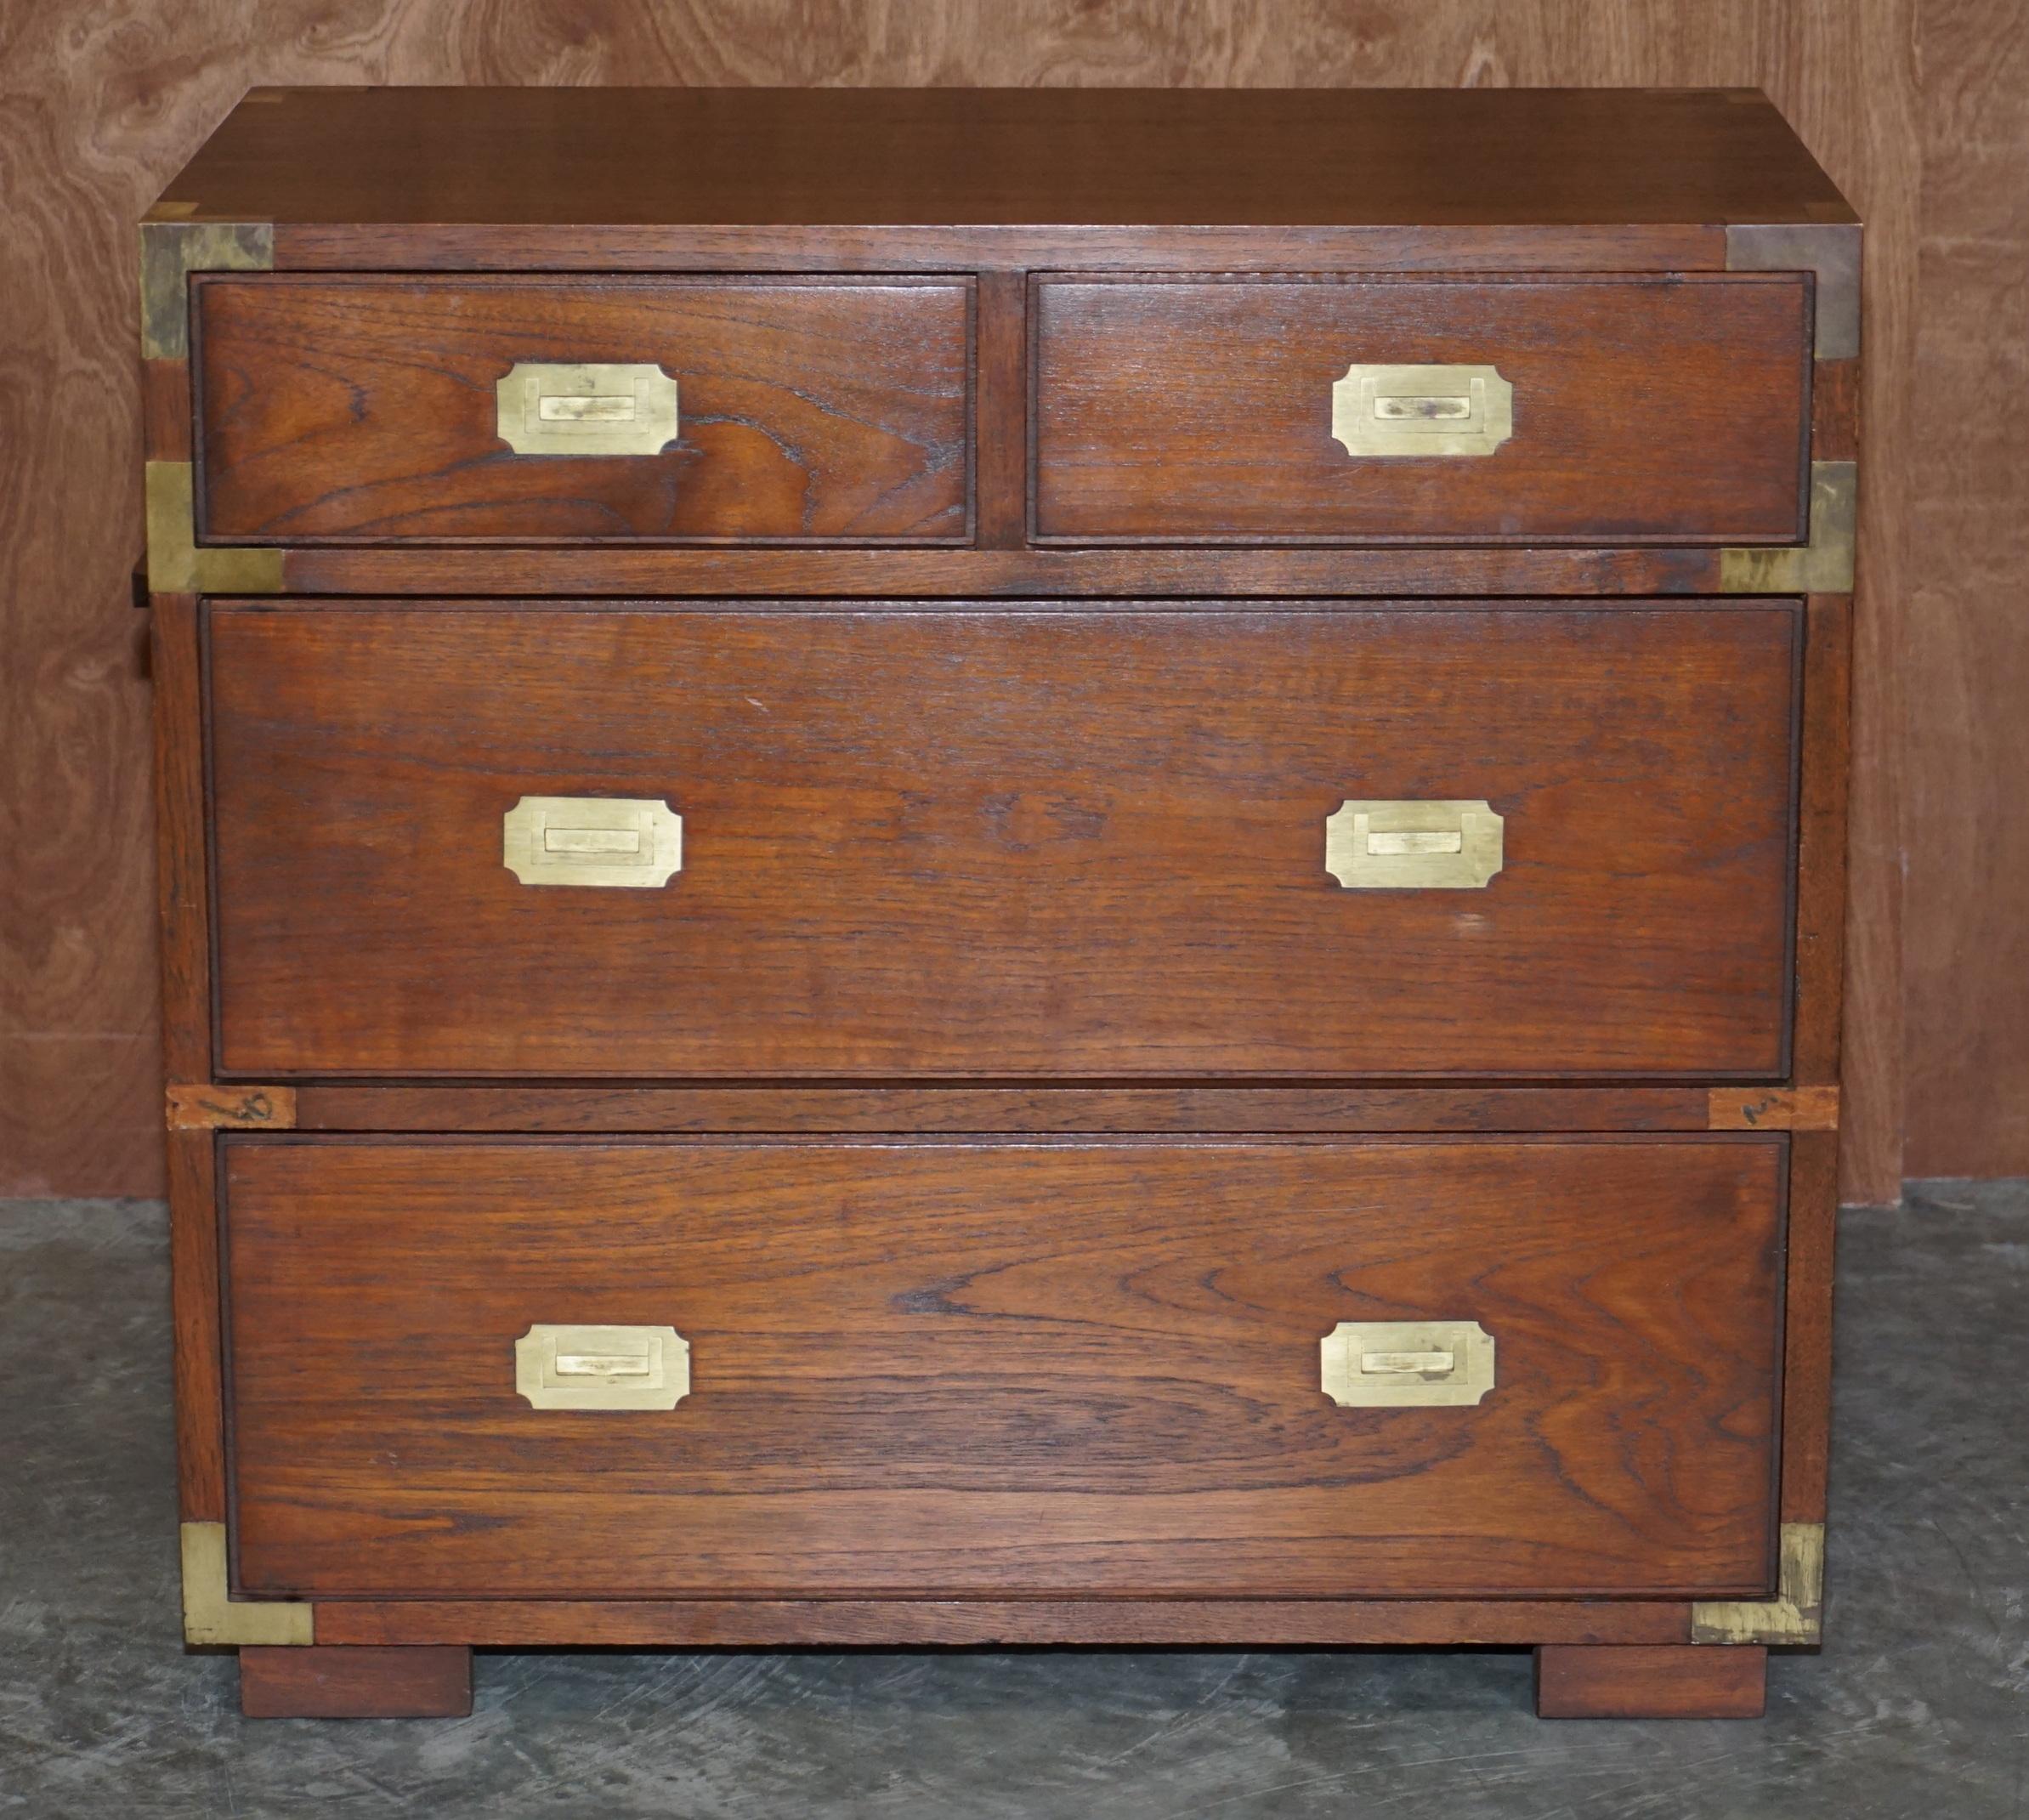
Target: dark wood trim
pixel 1807 1324
pixel 183 892
pixel 1835 410
pixel 1452 572
pixel 772 1624
pixel 166 413
pixel 334 247
pixel 930 1110
pixel 999 410
pixel 196 1316
pixel 320 1682
pixel 1667 1682
pixel 1819 966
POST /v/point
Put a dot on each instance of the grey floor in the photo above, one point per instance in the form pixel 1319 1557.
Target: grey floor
pixel 1918 1704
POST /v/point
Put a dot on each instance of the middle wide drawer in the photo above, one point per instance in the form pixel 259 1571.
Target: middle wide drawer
pixel 1287 840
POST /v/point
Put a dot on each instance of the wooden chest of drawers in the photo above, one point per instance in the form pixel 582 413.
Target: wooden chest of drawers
pixel 1019 867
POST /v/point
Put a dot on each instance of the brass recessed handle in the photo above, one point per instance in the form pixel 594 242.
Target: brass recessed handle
pixel 1406 1364
pixel 606 841
pixel 1413 846
pixel 602 1368
pixel 545 409
pixel 1422 410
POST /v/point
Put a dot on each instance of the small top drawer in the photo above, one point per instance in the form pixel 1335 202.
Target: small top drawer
pixel 1408 409
pixel 339 410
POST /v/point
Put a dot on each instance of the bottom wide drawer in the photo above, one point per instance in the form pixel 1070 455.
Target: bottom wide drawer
pixel 592 1369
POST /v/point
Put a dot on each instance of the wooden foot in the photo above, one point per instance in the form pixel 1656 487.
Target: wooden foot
pixel 426 1681
pixel 1670 1680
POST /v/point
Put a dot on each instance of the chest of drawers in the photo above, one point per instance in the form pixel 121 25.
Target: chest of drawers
pixel 1014 867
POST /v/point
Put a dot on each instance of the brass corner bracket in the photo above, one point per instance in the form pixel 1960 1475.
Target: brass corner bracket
pixel 205 1108
pixel 170 252
pixel 1830 252
pixel 1796 1614
pixel 176 564
pixel 1823 566
pixel 211 1615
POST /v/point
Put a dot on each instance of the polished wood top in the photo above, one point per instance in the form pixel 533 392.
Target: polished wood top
pixel 1018 156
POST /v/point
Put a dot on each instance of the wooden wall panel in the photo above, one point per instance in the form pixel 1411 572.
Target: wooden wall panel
pixel 1966 668
pixel 100 108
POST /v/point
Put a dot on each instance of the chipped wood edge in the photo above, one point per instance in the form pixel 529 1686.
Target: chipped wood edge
pixel 213 1617
pixel 1796 1615
pixel 1772 1109
pixel 208 1109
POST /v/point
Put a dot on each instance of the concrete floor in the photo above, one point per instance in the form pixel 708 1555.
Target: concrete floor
pixel 1918 1704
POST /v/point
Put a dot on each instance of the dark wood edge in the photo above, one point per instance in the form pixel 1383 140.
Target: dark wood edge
pixel 1183 1110
pixel 1659 1681
pixel 1807 1324
pixel 304 246
pixel 195 1287
pixel 182 889
pixel 1819 966
pixel 999 406
pixel 1623 574
pixel 1120 1623
pixel 428 1682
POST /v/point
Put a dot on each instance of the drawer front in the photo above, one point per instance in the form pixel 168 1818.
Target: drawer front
pixel 982 1369
pixel 1008 840
pixel 1603 410
pixel 532 410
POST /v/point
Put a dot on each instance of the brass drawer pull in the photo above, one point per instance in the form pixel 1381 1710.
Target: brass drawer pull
pixel 1404 1365
pixel 602 1368
pixel 624 841
pixel 549 410
pixel 1438 846
pixel 1395 411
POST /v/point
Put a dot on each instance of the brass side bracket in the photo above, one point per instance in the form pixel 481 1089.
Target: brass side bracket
pixel 211 1615
pixel 1830 251
pixel 170 252
pixel 177 565
pixel 1823 566
pixel 203 1108
pixel 1796 1615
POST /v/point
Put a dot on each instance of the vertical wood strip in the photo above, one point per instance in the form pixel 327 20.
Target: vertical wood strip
pixel 1822 841
pixel 1000 409
pixel 193 1283
pixel 1807 1324
pixel 182 884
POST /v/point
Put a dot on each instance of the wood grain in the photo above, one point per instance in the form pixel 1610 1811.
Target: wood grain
pixel 1967 841
pixel 102 120
pixel 1664 1683
pixel 432 1682
pixel 1048 842
pixel 1221 1624
pixel 1035 1109
pixel 1137 1413
pixel 939 156
pixel 1671 409
pixel 365 410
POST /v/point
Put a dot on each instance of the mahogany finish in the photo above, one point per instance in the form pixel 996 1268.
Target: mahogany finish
pixel 947 158
pixel 365 410
pixel 322 1683
pixel 1666 409
pixel 1652 1682
pixel 963 1369
pixel 1001 1098
pixel 971 842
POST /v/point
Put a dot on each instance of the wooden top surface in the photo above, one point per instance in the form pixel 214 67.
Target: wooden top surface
pixel 1011 157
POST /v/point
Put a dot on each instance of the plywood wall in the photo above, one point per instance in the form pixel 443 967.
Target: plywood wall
pixel 102 104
